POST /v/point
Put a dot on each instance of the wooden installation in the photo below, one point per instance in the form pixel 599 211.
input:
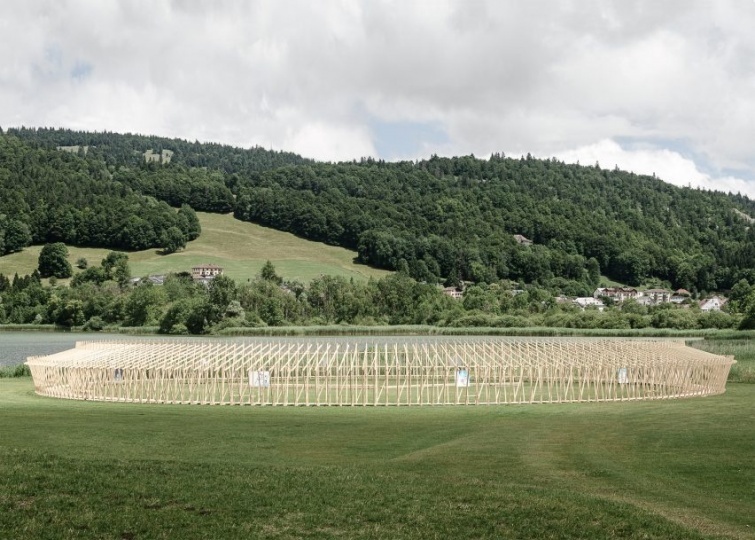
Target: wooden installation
pixel 487 371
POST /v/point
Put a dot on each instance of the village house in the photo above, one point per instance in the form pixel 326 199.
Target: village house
pixel 454 292
pixel 680 296
pixel 205 271
pixel 589 301
pixel 155 279
pixel 659 296
pixel 617 294
pixel 714 303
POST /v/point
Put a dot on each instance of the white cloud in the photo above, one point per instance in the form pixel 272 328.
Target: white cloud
pixel 663 163
pixel 330 143
pixel 492 75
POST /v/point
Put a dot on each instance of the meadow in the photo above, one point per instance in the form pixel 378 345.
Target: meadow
pixel 667 469
pixel 241 248
pixel 742 349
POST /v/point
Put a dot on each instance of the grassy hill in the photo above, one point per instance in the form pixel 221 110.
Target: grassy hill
pixel 240 247
pixel 679 469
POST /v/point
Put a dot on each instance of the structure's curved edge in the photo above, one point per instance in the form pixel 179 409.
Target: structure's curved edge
pixel 448 372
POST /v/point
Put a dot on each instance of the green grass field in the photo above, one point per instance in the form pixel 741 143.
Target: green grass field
pixel 647 470
pixel 239 247
pixel 742 349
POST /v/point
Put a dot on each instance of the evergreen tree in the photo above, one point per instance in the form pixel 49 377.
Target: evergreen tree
pixel 268 273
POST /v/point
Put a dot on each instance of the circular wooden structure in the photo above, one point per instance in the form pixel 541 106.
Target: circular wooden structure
pixel 487 371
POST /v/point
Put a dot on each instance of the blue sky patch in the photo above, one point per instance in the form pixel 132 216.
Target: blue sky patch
pixel 81 70
pixel 405 140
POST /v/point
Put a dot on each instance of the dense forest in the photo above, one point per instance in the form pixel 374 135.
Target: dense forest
pixel 455 218
pixel 50 196
pixel 441 219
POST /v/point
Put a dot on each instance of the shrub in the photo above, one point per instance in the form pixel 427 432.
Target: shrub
pixel 94 324
pixel 21 370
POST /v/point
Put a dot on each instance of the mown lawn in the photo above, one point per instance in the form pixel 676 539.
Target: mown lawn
pixel 241 248
pixel 673 469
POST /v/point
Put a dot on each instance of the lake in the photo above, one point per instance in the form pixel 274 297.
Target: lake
pixel 15 347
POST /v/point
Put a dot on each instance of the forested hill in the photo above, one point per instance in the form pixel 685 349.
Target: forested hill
pixel 50 196
pixel 457 217
pixel 127 149
pixel 451 219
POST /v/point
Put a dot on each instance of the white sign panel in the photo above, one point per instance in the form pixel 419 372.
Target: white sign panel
pixel 623 376
pixel 259 379
pixel 462 378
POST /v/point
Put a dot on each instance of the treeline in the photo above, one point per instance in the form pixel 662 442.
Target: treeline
pixel 48 196
pixel 176 185
pixel 102 296
pixel 128 149
pixel 454 219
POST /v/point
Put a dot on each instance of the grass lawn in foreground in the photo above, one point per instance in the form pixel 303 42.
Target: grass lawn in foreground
pixel 241 248
pixel 668 469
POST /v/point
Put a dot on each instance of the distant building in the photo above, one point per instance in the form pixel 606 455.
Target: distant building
pixel 156 279
pixel 618 294
pixel 714 303
pixel 522 240
pixel 589 301
pixel 453 292
pixel 659 296
pixel 204 271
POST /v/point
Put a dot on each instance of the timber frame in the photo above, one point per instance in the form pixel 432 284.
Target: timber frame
pixel 488 371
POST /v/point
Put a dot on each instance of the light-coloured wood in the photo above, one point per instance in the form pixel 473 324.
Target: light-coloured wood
pixel 352 373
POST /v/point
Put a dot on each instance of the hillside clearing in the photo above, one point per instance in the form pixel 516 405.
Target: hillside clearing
pixel 239 247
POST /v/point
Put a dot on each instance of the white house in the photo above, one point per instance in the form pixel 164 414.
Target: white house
pixel 618 294
pixel 206 271
pixel 589 301
pixel 659 296
pixel 714 303
pixel 453 292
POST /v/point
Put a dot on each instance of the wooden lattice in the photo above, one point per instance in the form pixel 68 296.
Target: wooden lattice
pixel 470 372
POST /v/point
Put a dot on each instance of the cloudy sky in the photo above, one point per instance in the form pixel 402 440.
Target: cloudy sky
pixel 655 87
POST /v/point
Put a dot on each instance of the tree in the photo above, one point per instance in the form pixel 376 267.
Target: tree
pixel 172 240
pixel 17 236
pixel 179 314
pixel 143 305
pixel 593 271
pixel 193 228
pixel 71 314
pixel 116 267
pixel 268 273
pixel 82 263
pixel 748 305
pixel 222 292
pixel 137 233
pixel 53 261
